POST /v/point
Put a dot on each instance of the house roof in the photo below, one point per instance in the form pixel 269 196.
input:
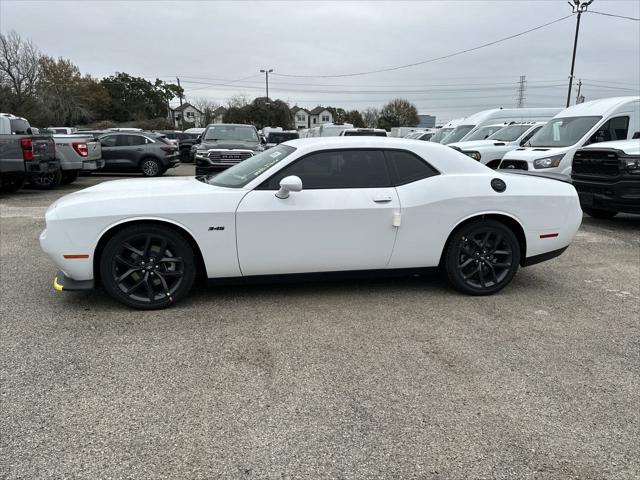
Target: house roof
pixel 219 110
pixel 296 109
pixel 318 110
pixel 180 108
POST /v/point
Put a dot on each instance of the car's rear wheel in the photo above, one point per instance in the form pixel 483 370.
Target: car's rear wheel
pixel 47 181
pixel 151 167
pixel 596 213
pixel 482 257
pixel 11 184
pixel 147 267
pixel 69 177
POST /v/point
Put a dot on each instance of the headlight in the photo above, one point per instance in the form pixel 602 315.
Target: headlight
pixel 632 166
pixel 474 155
pixel 202 153
pixel 548 162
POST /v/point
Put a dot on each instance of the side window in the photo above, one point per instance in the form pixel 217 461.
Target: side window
pixel 528 136
pixel 614 129
pixel 109 141
pixel 130 140
pixel 336 169
pixel 405 167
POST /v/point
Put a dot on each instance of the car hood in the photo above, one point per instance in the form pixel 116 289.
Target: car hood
pixel 630 147
pixel 229 145
pixel 140 195
pixel 532 153
pixel 477 144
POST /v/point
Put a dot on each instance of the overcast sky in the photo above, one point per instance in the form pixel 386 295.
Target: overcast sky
pixel 209 44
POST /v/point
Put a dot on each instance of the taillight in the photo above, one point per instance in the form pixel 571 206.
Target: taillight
pixel 81 148
pixel 168 149
pixel 27 149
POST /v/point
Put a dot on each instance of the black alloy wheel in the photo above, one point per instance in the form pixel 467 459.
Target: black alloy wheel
pixel 151 167
pixel 147 267
pixel 482 257
pixel 69 177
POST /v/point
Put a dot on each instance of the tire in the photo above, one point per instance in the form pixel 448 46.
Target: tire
pixel 150 167
pixel 596 213
pixel 12 184
pixel 185 155
pixel 69 176
pixel 482 257
pixel 147 267
pixel 48 181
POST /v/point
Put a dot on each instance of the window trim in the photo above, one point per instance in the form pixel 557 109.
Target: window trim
pixel 393 181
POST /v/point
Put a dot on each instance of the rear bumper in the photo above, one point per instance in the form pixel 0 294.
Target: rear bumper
pixel 543 257
pixel 63 283
pixel 621 196
pixel 41 168
pixel 89 165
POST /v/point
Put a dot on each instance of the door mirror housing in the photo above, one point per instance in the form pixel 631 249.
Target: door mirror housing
pixel 199 139
pixel 289 184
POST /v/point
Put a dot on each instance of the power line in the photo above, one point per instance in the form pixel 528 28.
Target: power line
pixel 614 15
pixel 390 69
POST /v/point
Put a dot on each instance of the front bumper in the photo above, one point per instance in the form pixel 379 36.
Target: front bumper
pixel 63 283
pixel 620 196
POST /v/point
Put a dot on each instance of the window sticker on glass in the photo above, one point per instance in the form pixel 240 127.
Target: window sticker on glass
pixel 275 154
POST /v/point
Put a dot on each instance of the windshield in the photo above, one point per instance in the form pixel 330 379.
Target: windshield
pixel 239 133
pixel 279 137
pixel 363 133
pixel 457 134
pixel 510 133
pixel 242 173
pixel 563 132
pixel 19 126
pixel 440 134
pixel 483 132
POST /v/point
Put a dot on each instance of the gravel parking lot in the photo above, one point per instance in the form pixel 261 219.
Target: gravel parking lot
pixel 400 378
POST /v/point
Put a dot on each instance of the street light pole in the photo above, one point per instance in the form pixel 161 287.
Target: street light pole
pixel 266 76
pixel 578 6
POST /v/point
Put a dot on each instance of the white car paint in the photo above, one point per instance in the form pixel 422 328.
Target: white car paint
pixel 605 108
pixel 316 230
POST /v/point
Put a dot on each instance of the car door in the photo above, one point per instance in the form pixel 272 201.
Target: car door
pixel 341 220
pixel 109 150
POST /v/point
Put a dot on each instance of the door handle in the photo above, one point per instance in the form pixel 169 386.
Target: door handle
pixel 382 199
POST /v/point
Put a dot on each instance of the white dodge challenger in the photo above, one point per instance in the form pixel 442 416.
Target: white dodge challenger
pixel 311 206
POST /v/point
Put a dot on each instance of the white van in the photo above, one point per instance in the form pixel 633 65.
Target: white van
pixel 551 149
pixel 490 151
pixel 332 129
pixel 497 116
pixel 445 130
pixel 400 132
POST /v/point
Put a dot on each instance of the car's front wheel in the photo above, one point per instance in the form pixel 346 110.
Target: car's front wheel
pixel 147 267
pixel 596 213
pixel 482 257
pixel 151 167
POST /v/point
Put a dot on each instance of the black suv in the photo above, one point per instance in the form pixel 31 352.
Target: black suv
pixel 146 152
pixel 223 145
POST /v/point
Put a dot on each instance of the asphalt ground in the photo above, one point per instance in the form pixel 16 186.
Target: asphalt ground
pixel 370 379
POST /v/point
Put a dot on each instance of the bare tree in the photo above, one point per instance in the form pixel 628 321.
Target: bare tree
pixel 207 107
pixel 238 101
pixel 370 117
pixel 19 69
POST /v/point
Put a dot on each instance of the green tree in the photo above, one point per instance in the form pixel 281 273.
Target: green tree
pixel 355 118
pixel 398 113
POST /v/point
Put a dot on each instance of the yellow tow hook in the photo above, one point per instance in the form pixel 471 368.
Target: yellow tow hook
pixel 56 285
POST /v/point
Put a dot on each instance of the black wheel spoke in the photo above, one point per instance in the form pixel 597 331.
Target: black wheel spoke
pixel 485 240
pixel 471 274
pixel 170 260
pixel 125 262
pixel 149 287
pixel 126 274
pixel 163 282
pixel 135 286
pixel 147 245
pixel 493 273
pixel 481 276
pixel 502 265
pixel 130 247
pixel 497 243
pixel 466 262
pixel 501 252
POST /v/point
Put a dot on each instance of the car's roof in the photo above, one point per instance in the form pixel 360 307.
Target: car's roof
pixel 600 107
pixel 443 158
pixel 230 125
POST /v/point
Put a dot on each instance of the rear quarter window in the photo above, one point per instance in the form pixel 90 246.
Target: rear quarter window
pixel 406 167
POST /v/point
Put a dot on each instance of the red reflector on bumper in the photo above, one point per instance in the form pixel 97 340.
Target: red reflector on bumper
pixel 549 235
pixel 72 257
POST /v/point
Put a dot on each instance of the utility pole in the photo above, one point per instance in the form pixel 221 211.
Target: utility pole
pixel 578 6
pixel 181 112
pixel 266 75
pixel 521 90
pixel 578 98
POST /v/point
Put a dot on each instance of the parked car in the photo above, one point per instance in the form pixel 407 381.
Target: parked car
pixel 275 138
pixel 94 133
pixel 445 130
pixel 551 149
pixel 491 150
pixel 363 132
pixel 607 177
pixel 145 152
pixel 173 136
pixel 400 132
pixel 188 140
pixel 328 205
pixel 424 135
pixel 332 129
pixel 23 155
pixel 225 144
pixel 77 153
pixel 497 116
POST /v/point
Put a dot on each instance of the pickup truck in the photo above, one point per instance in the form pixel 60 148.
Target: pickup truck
pixel 607 177
pixel 77 153
pixel 23 155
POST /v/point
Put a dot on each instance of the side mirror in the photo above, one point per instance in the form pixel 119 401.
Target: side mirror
pixel 199 139
pixel 263 140
pixel 289 184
